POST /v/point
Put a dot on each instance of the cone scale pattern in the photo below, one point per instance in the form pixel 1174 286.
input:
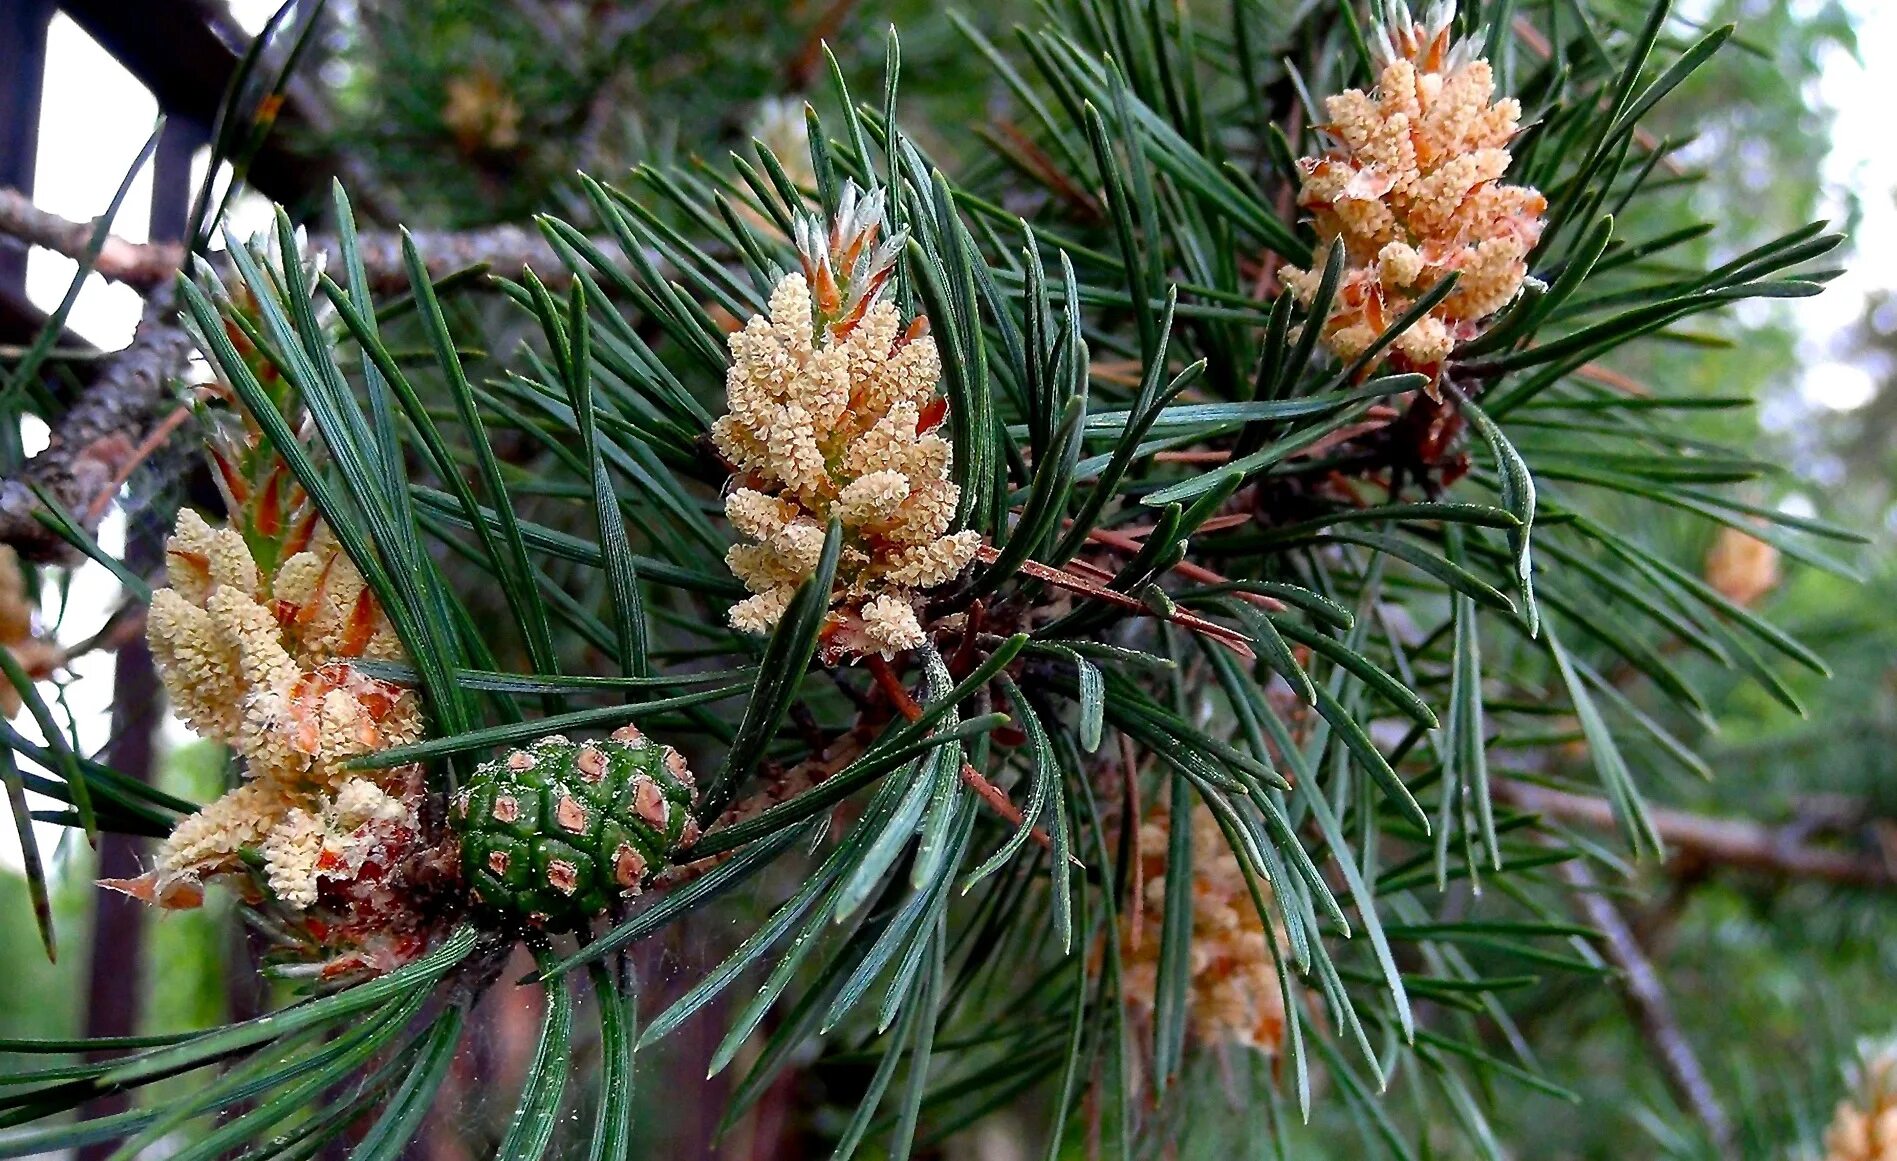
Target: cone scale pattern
pixel 552 834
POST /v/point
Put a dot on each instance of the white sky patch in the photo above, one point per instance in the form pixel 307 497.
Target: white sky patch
pixel 94 118
pixel 246 214
pixel 252 15
pixel 1798 505
pixel 1862 162
pixel 1838 386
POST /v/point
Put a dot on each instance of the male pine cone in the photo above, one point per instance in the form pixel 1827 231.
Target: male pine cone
pixel 550 835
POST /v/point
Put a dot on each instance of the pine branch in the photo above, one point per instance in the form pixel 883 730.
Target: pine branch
pixel 140 265
pixel 1698 839
pixel 505 249
pixel 111 428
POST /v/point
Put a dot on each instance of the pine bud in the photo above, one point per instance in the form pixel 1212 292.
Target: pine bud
pixel 1413 188
pixel 833 414
pixel 1864 1128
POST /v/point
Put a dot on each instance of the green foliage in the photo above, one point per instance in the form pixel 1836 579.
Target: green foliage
pixel 480 110
pixel 1336 639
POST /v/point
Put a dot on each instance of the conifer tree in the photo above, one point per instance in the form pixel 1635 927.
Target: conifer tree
pixel 1124 621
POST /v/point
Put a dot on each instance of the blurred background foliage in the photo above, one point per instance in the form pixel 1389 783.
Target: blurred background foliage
pixel 473 112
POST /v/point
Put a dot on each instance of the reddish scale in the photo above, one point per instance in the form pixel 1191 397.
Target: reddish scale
pixel 234 484
pixel 303 531
pixel 304 705
pixel 362 624
pixel 268 517
pixel 1429 57
pixel 236 335
pixel 931 417
pixel 197 562
pixel 847 259
pixel 823 289
pixel 302 615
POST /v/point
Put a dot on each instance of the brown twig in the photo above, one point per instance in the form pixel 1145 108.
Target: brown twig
pixel 1608 377
pixel 1018 147
pixel 1214 524
pixel 803 65
pixel 1185 568
pixel 505 249
pixel 1698 839
pixel 996 798
pixel 155 439
pixel 893 688
pixel 141 265
pixel 1082 567
pixel 1230 638
pixel 999 802
pixel 1375 419
pixel 1192 457
pixel 1652 1010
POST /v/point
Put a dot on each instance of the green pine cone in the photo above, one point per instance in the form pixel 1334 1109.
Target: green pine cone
pixel 552 834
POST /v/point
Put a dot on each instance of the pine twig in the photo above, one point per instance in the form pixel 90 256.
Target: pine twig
pixel 803 65
pixel 1128 543
pixel 994 797
pixel 1697 838
pixel 1067 581
pixel 1652 1010
pixel 505 249
pixel 140 265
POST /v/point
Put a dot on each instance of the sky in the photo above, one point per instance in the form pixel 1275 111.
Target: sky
pixel 96 117
pixel 1861 158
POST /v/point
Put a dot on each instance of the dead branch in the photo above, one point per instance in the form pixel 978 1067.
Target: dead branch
pixel 1696 839
pixel 140 265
